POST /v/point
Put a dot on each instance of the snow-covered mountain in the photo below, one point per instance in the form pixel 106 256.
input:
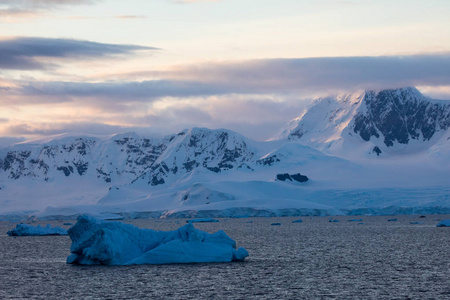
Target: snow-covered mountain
pixel 370 152
pixel 372 122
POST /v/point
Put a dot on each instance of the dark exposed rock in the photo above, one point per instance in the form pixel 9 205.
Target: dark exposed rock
pixel 284 177
pixel 67 170
pixel 81 167
pixel 376 150
pixel 157 181
pixel 268 160
pixel 399 116
pixel 297 177
pixel 214 169
pixel 189 165
pixel 106 176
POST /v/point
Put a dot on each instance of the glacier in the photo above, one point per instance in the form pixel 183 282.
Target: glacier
pixel 29 230
pixel 99 242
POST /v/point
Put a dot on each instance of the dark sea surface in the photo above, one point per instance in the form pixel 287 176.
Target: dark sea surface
pixel 315 259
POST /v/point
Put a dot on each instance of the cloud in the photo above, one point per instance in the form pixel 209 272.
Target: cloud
pixel 252 97
pixel 255 116
pixel 120 91
pixel 26 53
pixel 303 77
pixel 40 4
pixel 9 14
pixel 18 9
pixel 33 129
pixel 312 75
pixel 9 141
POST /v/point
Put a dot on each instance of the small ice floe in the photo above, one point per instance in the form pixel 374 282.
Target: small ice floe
pixel 333 221
pixel 275 224
pixel 416 223
pixel 68 224
pixel 202 220
pixel 29 230
pixel 249 222
pixel 298 221
pixel 392 220
pixel 354 220
pixel 444 223
pixel 98 242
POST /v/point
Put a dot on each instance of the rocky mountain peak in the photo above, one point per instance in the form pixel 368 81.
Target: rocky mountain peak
pixel 383 117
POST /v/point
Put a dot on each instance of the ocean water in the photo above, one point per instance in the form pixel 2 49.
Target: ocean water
pixel 315 259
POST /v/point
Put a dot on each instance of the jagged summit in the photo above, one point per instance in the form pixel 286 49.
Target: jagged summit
pixel 386 119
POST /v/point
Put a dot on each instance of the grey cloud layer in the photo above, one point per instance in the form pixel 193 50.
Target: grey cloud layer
pixel 23 53
pixel 315 74
pixel 273 76
pixel 122 91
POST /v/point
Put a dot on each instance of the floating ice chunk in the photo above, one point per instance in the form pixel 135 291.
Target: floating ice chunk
pixel 202 220
pixel 444 223
pixel 416 223
pixel 275 224
pixel 333 221
pixel 29 230
pixel 392 220
pixel 114 243
pixel 354 220
pixel 298 221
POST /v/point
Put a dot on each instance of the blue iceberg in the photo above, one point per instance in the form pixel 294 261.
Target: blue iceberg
pixel 444 223
pixel 29 230
pixel 97 242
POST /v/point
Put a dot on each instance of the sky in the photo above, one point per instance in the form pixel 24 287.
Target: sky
pixel 159 66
